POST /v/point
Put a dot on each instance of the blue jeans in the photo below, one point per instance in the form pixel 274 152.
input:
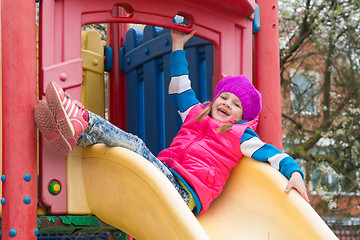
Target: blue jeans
pixel 102 131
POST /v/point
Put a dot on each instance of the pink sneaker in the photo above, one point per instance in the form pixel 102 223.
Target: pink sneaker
pixel 47 125
pixel 70 115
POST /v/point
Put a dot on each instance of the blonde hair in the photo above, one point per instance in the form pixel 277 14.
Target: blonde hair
pixel 207 110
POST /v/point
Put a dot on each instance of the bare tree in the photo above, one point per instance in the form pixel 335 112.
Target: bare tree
pixel 319 61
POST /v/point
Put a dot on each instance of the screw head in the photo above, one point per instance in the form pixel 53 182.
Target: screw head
pixel 27 177
pixel 27 200
pixel 54 188
pixel 63 76
pixel 12 232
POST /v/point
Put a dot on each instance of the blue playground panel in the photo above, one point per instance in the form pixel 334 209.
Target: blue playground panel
pixel 145 59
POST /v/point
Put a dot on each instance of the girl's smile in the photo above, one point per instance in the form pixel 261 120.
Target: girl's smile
pixel 227 107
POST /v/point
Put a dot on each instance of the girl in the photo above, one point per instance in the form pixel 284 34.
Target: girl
pixel 209 145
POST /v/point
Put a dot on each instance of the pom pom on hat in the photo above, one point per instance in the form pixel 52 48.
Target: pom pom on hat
pixel 242 87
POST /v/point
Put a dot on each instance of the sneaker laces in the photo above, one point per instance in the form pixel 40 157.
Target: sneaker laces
pixel 78 106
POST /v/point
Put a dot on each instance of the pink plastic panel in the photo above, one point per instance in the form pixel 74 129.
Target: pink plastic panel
pixel 66 73
pixel 227 24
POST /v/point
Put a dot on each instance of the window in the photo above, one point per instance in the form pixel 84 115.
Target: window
pixel 302 95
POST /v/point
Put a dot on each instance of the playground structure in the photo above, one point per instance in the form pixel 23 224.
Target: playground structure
pixel 114 184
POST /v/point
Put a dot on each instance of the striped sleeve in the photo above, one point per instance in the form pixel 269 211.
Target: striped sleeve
pixel 181 93
pixel 252 146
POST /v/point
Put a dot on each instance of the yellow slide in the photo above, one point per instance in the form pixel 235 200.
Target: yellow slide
pixel 126 191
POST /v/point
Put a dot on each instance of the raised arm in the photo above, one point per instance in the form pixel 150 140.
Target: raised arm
pixel 179 39
pixel 181 93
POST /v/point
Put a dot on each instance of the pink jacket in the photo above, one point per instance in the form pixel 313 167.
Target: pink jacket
pixel 203 156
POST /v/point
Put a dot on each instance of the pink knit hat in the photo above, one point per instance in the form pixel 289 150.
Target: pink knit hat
pixel 242 87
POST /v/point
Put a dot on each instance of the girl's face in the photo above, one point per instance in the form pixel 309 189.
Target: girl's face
pixel 227 107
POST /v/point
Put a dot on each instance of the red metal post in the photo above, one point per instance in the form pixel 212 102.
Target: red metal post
pixel 267 73
pixel 19 216
pixel 117 78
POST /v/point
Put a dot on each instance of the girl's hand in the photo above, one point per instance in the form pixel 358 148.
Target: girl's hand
pixel 180 38
pixel 297 182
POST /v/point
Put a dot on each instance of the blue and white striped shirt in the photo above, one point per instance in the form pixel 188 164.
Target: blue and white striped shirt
pixel 184 98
